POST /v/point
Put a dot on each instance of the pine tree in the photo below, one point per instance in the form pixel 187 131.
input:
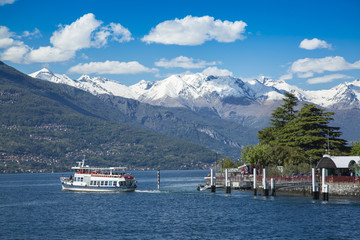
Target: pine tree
pixel 300 134
pixel 280 117
pixel 310 131
pixel 286 112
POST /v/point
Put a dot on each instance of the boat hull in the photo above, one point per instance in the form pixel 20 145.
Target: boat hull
pixel 67 187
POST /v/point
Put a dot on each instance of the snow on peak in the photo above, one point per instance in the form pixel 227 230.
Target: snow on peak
pixel 201 90
pixel 44 74
pixel 96 85
pixel 84 78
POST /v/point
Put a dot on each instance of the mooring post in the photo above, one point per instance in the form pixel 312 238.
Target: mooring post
pixel 272 186
pixel 212 181
pixel 325 187
pixel 315 186
pixel 158 179
pixel 227 181
pixel 265 184
pixel 326 192
pixel 254 184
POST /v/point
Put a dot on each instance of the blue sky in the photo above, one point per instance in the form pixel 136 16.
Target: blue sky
pixel 311 44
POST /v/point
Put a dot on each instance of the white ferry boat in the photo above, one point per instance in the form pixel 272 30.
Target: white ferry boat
pixel 95 179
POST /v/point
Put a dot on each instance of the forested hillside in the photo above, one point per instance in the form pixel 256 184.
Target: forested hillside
pixel 45 126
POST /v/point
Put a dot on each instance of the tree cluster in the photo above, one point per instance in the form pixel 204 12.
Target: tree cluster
pixel 296 136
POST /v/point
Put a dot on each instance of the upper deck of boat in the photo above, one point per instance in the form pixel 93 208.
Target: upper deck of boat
pixel 87 169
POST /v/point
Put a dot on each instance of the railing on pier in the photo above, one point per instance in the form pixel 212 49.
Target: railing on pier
pixel 343 179
pixel 329 179
pixel 236 177
pixel 280 179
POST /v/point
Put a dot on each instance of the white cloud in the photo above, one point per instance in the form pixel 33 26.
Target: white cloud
pixel 116 31
pixel 305 75
pixel 183 62
pixel 15 53
pixel 14 50
pixel 3 2
pixel 49 54
pixel 110 67
pixel 76 35
pixel 217 72
pixel 309 66
pixel 6 39
pixel 84 33
pixel 314 44
pixel 286 77
pixel 6 42
pixel 35 33
pixel 120 33
pixel 327 78
pixel 195 31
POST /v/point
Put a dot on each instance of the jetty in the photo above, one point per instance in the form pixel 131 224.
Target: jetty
pixel 307 185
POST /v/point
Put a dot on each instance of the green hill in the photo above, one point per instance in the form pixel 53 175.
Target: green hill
pixel 46 126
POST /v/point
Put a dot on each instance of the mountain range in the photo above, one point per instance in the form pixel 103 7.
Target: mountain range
pixel 198 91
pixel 66 118
pixel 245 102
pixel 46 126
pixel 239 108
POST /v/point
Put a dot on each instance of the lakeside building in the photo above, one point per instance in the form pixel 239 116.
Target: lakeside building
pixel 339 165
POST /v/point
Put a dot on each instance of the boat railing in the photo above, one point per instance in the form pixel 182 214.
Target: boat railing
pixel 109 176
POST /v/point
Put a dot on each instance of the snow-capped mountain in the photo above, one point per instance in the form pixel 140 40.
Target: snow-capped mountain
pixel 96 85
pixel 247 103
pixel 199 90
pixel 227 96
pixel 344 95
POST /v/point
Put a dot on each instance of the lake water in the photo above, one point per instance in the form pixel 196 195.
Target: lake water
pixel 32 206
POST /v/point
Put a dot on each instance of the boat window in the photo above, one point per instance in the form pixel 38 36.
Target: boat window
pixel 102 183
pixel 120 183
pixel 106 183
pixel 114 183
pixel 94 182
pixel 110 183
pixel 91 182
pixel 81 179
